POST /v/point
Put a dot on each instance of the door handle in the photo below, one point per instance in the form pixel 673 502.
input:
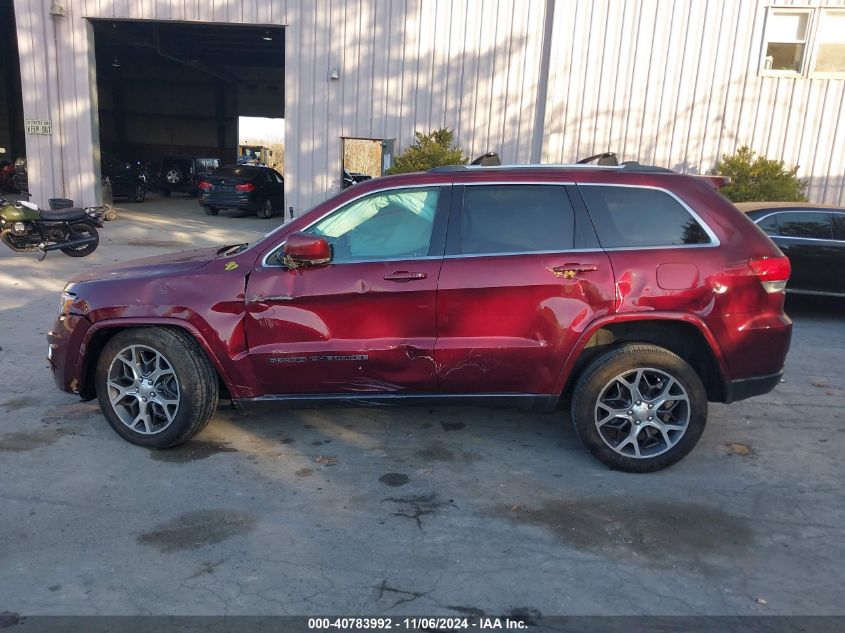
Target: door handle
pixel 270 299
pixel 569 271
pixel 404 275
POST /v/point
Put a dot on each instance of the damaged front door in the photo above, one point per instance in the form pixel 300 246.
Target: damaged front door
pixel 365 322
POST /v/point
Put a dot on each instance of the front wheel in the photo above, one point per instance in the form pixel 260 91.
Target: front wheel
pixel 155 386
pixel 78 231
pixel 639 408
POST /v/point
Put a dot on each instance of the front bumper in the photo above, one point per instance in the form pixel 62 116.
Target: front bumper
pixel 66 351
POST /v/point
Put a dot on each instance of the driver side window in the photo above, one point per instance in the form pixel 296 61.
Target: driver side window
pixel 394 224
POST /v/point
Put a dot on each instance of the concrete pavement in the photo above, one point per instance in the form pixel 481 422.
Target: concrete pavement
pixel 404 511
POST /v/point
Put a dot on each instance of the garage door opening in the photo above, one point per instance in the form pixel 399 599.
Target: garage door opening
pixel 12 140
pixel 170 95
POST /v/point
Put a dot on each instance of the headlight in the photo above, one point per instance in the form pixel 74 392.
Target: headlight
pixel 67 300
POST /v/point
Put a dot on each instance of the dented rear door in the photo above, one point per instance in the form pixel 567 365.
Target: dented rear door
pixel 522 277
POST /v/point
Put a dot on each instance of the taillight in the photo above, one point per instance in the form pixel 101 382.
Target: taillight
pixel 773 272
pixel 204 185
pixel 245 187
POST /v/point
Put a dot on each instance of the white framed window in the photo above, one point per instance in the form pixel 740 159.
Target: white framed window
pixel 785 42
pixel 829 59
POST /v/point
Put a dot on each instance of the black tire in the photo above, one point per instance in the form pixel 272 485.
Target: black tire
pixel 197 382
pixel 266 210
pixel 139 193
pixel 600 375
pixel 83 229
pixel 211 210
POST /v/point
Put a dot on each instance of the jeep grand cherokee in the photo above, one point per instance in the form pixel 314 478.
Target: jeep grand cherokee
pixel 642 294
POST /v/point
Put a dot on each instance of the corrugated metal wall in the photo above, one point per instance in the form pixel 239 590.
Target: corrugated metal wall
pixel 668 82
pixel 677 84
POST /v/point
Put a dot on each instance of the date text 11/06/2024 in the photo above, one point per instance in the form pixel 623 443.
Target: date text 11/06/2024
pixel 422 623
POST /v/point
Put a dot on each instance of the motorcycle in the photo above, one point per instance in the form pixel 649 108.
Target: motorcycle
pixel 24 227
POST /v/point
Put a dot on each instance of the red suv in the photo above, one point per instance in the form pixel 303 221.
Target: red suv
pixel 641 293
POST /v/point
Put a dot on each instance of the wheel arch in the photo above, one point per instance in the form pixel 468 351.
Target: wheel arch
pixel 100 333
pixel 682 334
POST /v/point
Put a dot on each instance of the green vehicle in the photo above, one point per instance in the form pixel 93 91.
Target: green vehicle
pixel 26 228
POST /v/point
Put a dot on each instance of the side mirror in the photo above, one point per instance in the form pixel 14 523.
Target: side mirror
pixel 305 249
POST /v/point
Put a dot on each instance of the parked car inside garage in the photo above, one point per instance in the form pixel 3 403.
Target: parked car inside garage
pixel 812 237
pixel 127 179
pixel 260 190
pixel 183 173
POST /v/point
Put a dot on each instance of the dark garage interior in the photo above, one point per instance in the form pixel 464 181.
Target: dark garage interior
pixel 167 88
pixel 12 139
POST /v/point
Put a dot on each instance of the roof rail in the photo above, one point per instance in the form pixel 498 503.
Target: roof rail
pixel 627 166
pixel 435 170
pixel 635 166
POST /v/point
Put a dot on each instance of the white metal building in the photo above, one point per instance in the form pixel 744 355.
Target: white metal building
pixel 669 82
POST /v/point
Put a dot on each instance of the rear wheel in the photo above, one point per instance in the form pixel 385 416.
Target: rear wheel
pixel 139 193
pixel 78 231
pixel 639 408
pixel 266 210
pixel 155 386
pixel 211 210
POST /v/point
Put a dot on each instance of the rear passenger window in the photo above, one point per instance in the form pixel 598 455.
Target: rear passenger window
pixel 769 224
pixel 813 225
pixel 839 226
pixel 516 219
pixel 639 217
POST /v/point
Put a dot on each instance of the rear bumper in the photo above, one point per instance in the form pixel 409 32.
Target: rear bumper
pixel 244 203
pixel 749 387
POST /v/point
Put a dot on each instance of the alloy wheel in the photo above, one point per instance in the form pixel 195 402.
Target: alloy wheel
pixel 642 412
pixel 143 389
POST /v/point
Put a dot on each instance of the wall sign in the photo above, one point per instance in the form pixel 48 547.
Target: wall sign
pixel 38 126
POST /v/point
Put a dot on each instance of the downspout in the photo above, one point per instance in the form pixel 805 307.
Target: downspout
pixel 55 14
pixel 543 84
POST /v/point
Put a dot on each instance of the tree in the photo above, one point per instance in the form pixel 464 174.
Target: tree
pixel 759 179
pixel 428 151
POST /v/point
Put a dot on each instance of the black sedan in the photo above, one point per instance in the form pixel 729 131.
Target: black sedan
pixel 260 190
pixel 812 237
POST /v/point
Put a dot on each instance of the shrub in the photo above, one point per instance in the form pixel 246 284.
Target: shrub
pixel 430 150
pixel 758 178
